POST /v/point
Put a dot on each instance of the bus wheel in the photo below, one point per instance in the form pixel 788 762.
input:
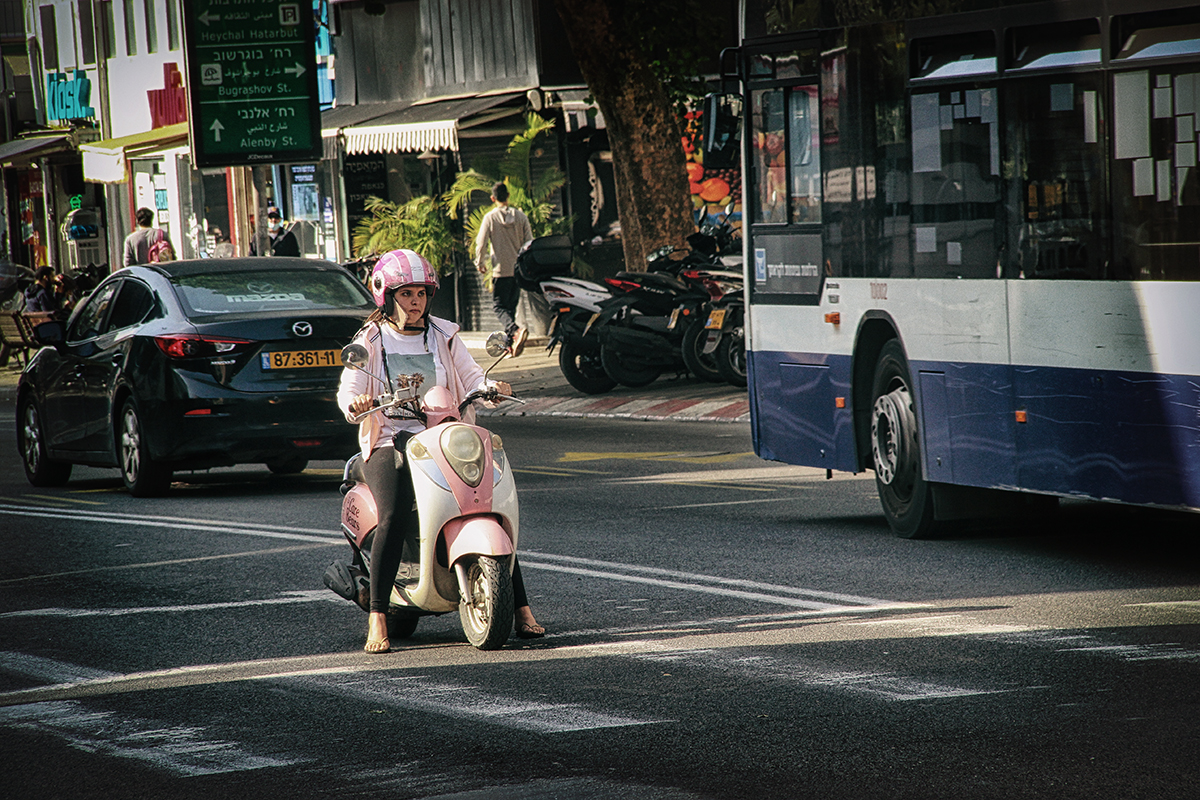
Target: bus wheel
pixel 906 497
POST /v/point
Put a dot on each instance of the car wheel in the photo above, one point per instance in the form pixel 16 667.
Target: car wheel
pixel 143 476
pixel 288 465
pixel 40 469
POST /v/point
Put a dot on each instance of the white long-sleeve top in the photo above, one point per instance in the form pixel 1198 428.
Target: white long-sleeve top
pixel 455 369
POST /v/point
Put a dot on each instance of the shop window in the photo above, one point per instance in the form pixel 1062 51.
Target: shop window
pixel 1160 34
pixel 49 37
pixel 956 56
pixel 87 32
pixel 1063 44
pixel 129 22
pixel 172 25
pixel 1056 186
pixel 108 30
pixel 151 17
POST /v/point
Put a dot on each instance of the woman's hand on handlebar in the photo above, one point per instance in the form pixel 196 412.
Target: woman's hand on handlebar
pixel 503 388
pixel 364 402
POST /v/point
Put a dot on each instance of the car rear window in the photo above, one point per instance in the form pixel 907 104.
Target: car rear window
pixel 268 290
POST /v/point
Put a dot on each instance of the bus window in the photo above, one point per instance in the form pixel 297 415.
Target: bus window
pixel 804 145
pixel 953 56
pixel 956 184
pixel 1157 34
pixel 1055 191
pixel 769 159
pixel 1155 184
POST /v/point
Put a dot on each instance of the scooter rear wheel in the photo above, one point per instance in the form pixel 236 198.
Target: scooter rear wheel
pixel 487 614
pixel 582 368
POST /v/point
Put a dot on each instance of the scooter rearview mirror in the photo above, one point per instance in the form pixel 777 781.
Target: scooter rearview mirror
pixel 496 345
pixel 354 356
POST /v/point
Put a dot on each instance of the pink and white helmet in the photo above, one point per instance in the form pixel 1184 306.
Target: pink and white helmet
pixel 401 268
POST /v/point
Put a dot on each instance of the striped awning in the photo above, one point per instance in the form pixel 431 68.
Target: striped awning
pixel 421 126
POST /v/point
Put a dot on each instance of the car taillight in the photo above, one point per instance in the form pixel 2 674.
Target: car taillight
pixel 191 345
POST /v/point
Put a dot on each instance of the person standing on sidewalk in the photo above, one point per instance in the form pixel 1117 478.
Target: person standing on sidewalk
pixel 503 231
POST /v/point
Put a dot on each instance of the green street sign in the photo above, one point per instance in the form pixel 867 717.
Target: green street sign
pixel 252 82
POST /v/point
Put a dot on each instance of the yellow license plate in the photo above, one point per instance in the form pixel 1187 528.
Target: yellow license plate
pixel 301 359
pixel 716 319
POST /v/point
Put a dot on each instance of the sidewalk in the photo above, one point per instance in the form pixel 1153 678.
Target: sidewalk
pixel 536 379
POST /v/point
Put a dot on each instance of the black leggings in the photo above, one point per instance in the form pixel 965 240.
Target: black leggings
pixel 396 535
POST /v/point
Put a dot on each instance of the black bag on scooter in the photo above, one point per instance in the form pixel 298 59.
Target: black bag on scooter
pixel 544 257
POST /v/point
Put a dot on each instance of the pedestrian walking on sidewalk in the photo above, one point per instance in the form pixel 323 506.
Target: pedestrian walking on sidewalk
pixel 503 231
pixel 140 243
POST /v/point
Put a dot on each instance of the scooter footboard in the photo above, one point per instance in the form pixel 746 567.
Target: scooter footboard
pixel 482 534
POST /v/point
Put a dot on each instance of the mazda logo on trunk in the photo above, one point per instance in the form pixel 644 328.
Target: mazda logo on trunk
pixel 302 329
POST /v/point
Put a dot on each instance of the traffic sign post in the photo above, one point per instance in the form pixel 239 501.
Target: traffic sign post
pixel 252 82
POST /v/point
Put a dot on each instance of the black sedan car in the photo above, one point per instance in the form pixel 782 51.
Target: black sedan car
pixel 192 365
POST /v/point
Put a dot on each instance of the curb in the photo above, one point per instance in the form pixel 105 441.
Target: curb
pixel 538 378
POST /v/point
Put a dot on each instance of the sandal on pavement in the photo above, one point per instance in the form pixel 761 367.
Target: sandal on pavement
pixel 377 646
pixel 518 345
pixel 527 630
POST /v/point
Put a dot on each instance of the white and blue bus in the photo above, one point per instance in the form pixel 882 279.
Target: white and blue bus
pixel 973 248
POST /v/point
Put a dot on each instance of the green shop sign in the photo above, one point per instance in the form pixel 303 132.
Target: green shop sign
pixel 252 82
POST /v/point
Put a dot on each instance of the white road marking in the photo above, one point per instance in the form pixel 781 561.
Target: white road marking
pixel 183 750
pixel 883 685
pixel 613 570
pixel 177 523
pixel 421 693
pixel 307 596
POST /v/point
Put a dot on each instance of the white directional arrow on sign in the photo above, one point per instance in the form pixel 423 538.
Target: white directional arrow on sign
pixel 297 70
pixel 216 128
pixel 208 18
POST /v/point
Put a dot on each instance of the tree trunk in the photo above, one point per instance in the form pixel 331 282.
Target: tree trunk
pixel 649 166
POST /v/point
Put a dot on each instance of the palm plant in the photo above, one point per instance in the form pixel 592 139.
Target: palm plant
pixel 532 195
pixel 420 224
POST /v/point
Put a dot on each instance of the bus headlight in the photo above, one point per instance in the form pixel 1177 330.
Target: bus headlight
pixel 464 451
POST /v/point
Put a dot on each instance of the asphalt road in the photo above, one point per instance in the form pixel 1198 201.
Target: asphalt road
pixel 720 627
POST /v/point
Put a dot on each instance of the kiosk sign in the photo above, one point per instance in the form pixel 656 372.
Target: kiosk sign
pixel 252 82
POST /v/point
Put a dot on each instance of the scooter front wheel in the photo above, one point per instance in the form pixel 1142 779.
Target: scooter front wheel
pixel 487 613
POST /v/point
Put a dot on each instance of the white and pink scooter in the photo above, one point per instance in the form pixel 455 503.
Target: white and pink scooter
pixel 467 506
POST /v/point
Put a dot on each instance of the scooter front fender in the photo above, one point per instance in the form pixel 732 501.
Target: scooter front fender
pixel 477 535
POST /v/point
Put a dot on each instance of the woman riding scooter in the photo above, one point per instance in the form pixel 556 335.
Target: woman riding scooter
pixel 402 338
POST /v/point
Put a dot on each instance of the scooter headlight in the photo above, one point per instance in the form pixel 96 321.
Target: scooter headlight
pixel 499 460
pixel 464 452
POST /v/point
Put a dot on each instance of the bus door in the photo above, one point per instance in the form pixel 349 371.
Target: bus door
pixel 792 391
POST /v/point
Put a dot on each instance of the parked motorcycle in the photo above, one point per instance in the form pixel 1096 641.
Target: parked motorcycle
pixel 544 266
pixel 466 504
pixel 641 330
